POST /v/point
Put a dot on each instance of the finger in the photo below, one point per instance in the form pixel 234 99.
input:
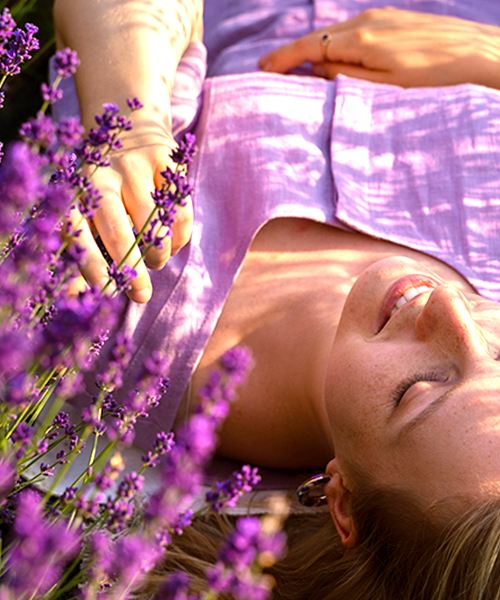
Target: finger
pixel 113 225
pixel 94 267
pixel 309 48
pixel 331 70
pixel 183 226
pixel 139 205
pixel 288 57
pixel 77 285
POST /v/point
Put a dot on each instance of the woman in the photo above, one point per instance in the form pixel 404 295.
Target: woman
pixel 370 341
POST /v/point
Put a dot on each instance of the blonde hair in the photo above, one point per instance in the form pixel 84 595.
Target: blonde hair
pixel 404 555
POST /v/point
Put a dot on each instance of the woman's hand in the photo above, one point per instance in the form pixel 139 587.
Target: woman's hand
pixel 129 49
pixel 388 45
pixel 126 188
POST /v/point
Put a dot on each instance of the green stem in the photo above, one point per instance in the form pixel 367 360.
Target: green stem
pixel 54 86
pixel 93 452
pixel 99 461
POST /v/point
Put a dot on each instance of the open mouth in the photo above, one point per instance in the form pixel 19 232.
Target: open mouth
pixel 400 293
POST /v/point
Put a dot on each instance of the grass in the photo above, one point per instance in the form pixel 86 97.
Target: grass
pixel 23 91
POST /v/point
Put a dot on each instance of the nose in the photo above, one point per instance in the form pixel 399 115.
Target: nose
pixel 447 320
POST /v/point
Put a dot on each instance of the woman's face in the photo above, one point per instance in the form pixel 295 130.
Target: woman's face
pixel 413 385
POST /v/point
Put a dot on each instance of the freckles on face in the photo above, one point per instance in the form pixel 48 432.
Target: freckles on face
pixel 413 384
pixel 435 448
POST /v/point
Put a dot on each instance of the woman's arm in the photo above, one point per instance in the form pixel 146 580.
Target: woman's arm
pixel 129 48
pixel 405 48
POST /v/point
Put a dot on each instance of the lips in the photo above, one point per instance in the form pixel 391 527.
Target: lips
pixel 401 292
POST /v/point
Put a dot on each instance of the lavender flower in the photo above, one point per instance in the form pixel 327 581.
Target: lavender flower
pixel 131 484
pixel 133 556
pixel 120 356
pixel 134 104
pixel 76 320
pixel 66 62
pixel 50 94
pixel 120 511
pixel 121 276
pixel 7 26
pixel 184 153
pixel 20 45
pixel 22 434
pixel 226 493
pixel 163 445
pixel 40 549
pixel 20 184
pixel 176 587
pixel 195 443
pixel 248 547
pixel 70 132
pixel 40 130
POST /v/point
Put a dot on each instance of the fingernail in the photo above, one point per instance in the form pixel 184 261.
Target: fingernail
pixel 319 70
pixel 140 296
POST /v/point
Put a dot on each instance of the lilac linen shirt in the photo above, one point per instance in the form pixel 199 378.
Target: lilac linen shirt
pixel 418 167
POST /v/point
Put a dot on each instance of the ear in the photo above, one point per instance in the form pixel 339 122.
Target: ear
pixel 339 501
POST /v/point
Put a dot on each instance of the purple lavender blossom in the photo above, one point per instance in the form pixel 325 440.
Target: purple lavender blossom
pixel 15 353
pixel 183 521
pixel 120 357
pixel 132 483
pixel 196 441
pixel 100 549
pixel 164 442
pixel 121 277
pixel 20 184
pixel 236 363
pixel 66 62
pixel 184 153
pixel 176 587
pixel 104 479
pixel 134 104
pixel 163 445
pixel 40 130
pixel 50 94
pixel 7 26
pixel 133 556
pixel 226 493
pixel 70 131
pixel 35 561
pixel 120 511
pixel 234 573
pixel 20 45
pixel 76 321
pixel 22 434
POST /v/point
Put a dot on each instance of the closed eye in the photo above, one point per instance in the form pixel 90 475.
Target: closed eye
pixel 401 389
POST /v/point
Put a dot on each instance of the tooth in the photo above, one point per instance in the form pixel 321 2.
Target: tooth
pixel 400 302
pixel 410 293
pixel 422 288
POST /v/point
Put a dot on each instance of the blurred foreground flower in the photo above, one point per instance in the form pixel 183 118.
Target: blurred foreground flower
pixel 87 542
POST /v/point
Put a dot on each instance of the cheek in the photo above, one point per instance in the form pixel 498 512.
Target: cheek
pixel 355 407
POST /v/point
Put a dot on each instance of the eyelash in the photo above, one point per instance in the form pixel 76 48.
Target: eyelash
pixel 405 385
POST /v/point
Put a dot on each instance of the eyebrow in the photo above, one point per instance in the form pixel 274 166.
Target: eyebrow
pixel 430 409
